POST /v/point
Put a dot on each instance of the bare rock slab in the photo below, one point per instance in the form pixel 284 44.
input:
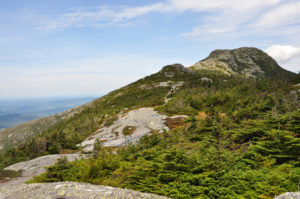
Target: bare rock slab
pixel 143 120
pixel 71 190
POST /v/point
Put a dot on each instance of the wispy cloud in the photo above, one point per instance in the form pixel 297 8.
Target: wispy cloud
pixel 283 15
pixel 97 17
pixel 218 18
pixel 219 11
pixel 209 29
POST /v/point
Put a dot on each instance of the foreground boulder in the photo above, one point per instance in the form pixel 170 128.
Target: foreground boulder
pixel 289 195
pixel 71 190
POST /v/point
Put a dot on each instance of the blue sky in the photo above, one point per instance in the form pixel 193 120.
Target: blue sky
pixel 89 47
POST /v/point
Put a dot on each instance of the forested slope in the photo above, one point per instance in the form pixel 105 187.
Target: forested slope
pixel 242 140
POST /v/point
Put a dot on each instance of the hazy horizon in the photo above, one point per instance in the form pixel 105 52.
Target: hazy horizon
pixel 50 97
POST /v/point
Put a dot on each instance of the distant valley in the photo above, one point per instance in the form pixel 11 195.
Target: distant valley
pixel 14 112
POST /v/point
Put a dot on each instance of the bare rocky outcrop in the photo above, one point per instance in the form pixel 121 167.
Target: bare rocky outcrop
pixel 173 85
pixel 36 166
pixel 71 190
pixel 231 62
pixel 142 121
pixel 205 79
pixel 289 195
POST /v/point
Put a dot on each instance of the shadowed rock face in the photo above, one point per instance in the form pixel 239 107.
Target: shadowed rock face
pixel 250 62
pixel 71 190
pixel 294 195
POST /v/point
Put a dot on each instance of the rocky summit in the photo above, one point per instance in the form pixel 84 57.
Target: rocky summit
pixel 246 61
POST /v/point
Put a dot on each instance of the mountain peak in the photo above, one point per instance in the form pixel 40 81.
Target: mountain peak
pixel 246 50
pixel 246 61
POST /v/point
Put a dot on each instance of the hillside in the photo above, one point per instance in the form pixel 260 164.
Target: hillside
pixel 193 132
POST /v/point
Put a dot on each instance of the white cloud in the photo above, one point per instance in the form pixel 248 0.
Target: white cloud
pixel 287 56
pixel 283 54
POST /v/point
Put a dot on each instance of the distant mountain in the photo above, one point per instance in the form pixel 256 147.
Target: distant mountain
pixel 246 61
pixel 41 106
